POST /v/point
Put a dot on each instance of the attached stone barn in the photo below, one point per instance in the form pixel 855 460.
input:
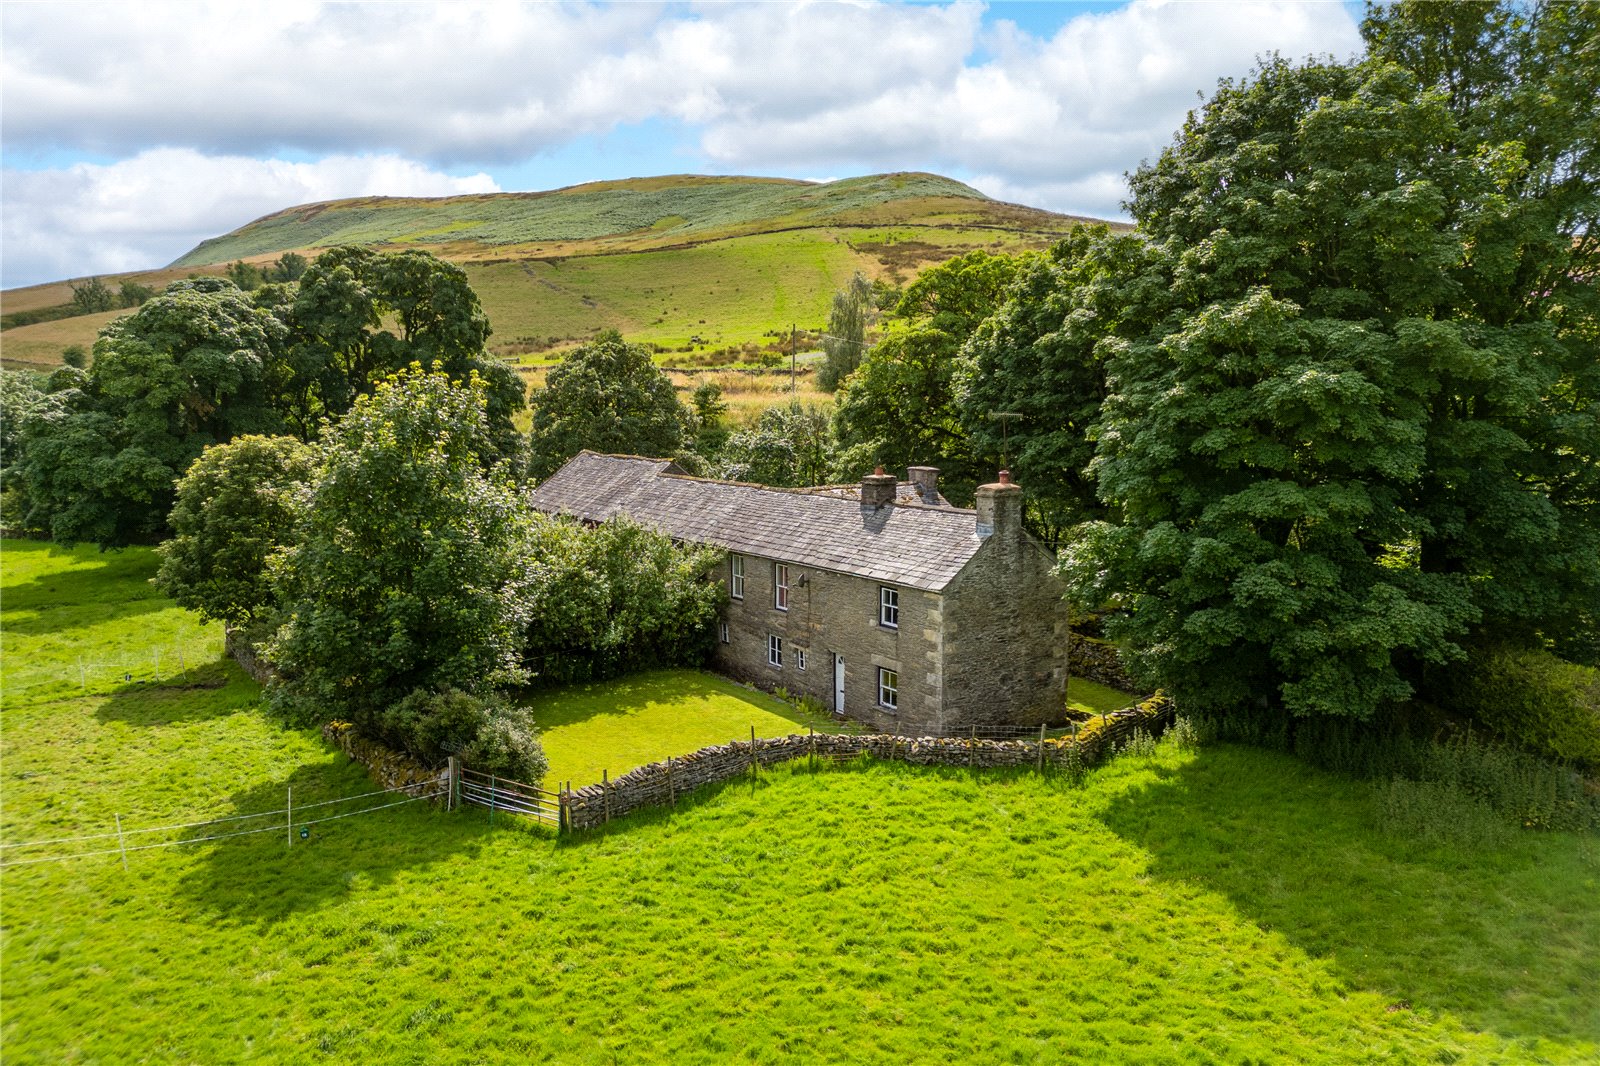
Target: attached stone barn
pixel 881 600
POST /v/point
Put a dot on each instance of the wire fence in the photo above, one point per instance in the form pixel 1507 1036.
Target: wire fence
pixel 67 674
pixel 285 821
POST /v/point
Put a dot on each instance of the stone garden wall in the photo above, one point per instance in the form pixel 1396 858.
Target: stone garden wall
pixel 660 784
pixel 237 644
pixel 1099 660
pixel 388 768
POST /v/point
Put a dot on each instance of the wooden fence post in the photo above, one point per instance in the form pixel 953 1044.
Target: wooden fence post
pixel 753 770
pixel 972 746
pixel 1041 747
pixel 288 819
pixel 563 820
pixel 450 785
pixel 491 798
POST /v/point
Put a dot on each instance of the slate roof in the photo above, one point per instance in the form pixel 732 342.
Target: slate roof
pixel 901 544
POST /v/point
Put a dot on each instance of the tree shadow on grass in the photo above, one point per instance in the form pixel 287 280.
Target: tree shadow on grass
pixel 1506 940
pixel 68 603
pixel 204 691
pixel 349 846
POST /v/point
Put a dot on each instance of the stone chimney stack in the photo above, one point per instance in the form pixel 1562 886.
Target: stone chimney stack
pixel 878 489
pixel 1000 510
pixel 926 479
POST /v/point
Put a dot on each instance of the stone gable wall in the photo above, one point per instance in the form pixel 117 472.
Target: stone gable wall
pixel 1005 638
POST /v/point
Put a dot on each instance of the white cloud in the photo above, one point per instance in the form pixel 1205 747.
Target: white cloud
pixel 1053 123
pixel 150 209
pixel 837 88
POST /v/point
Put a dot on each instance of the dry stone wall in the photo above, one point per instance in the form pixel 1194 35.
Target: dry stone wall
pixel 388 768
pixel 237 644
pixel 1099 660
pixel 660 784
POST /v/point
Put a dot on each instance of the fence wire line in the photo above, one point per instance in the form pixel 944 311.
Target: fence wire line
pixel 218 836
pixel 208 821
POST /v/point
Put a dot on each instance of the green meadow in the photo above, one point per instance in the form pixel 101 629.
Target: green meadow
pixel 1221 906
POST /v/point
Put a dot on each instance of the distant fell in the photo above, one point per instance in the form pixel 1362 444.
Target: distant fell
pixel 636 214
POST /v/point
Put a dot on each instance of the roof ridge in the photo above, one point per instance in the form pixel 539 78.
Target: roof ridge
pixel 815 491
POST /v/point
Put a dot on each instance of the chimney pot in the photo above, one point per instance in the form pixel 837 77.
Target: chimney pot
pixel 878 489
pixel 999 507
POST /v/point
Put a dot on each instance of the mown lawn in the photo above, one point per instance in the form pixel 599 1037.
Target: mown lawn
pixel 617 725
pixel 1228 906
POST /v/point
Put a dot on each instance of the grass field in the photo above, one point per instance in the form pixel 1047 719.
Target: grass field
pixel 1228 906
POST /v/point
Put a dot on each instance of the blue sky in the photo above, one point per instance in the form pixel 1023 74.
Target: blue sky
pixel 130 132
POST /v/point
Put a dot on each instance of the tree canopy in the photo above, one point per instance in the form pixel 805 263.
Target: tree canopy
pixel 607 396
pixel 407 556
pixel 1355 419
pixel 192 367
pixel 204 362
pixel 900 407
pixel 235 508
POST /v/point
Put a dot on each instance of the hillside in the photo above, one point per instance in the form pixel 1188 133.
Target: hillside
pixel 698 266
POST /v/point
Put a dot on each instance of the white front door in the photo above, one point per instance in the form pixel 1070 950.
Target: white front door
pixel 838 683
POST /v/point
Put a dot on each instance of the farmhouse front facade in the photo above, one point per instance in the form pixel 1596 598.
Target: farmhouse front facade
pixel 880 600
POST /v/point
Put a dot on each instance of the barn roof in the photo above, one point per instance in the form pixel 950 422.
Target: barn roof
pixel 909 544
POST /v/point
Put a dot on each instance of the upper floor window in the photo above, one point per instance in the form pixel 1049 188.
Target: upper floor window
pixel 736 576
pixel 888 688
pixel 780 586
pixel 888 607
pixel 774 650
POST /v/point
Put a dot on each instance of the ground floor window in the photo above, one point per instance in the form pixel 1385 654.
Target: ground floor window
pixel 799 658
pixel 724 632
pixel 888 688
pixel 775 650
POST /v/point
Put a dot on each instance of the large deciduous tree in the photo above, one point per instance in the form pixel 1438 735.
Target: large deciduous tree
pixel 1032 376
pixel 845 343
pixel 235 508
pixel 192 367
pixel 899 408
pixel 607 396
pixel 407 564
pixel 1365 423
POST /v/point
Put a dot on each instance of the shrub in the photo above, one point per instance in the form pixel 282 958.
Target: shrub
pixel 486 733
pixel 1535 700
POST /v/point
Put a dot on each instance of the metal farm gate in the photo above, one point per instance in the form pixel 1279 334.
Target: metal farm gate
pixel 503 794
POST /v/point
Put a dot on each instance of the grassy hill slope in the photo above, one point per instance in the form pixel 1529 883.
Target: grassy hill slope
pixel 689 263
pixel 619 216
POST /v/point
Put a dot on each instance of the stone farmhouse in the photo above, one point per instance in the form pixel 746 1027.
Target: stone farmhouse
pixel 881 600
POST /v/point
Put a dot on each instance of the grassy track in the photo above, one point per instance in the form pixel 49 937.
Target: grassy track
pixel 1226 907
